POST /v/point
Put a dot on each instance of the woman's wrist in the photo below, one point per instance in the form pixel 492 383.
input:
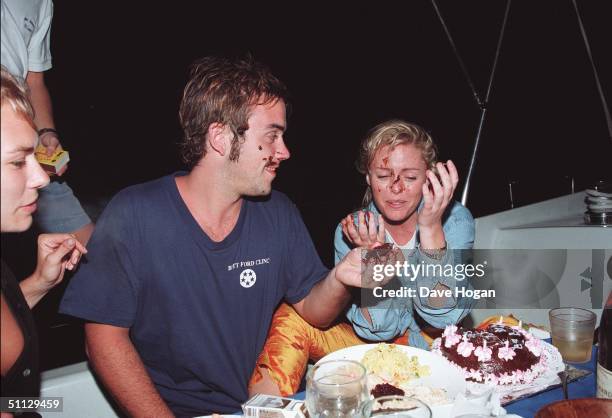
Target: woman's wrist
pixel 432 237
pixel 33 289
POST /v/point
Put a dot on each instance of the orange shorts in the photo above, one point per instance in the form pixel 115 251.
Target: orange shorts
pixel 292 342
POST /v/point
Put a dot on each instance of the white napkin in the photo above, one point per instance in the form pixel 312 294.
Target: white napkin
pixel 486 404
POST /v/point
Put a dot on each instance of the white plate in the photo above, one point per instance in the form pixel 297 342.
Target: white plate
pixel 443 375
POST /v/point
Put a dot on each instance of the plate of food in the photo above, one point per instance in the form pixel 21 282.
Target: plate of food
pixel 402 370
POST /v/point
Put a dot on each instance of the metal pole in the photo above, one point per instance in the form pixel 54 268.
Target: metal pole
pixel 599 88
pixel 468 179
pixel 456 52
pixel 466 187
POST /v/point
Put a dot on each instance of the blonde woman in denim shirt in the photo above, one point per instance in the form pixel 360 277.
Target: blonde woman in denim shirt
pixel 408 203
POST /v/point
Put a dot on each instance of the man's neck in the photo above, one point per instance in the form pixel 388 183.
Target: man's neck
pixel 211 203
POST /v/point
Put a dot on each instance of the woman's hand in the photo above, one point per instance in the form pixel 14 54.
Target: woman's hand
pixel 56 254
pixel 366 234
pixel 437 194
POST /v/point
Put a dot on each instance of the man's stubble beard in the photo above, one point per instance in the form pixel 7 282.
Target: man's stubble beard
pixel 246 185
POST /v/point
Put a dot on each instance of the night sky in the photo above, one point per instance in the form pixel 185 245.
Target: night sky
pixel 119 70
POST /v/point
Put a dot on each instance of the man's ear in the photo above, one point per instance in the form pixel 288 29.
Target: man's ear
pixel 217 138
pixel 368 179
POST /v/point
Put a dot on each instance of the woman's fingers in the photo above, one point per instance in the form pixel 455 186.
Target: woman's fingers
pixel 427 196
pixel 353 235
pixel 372 228
pixel 445 179
pixel 362 228
pixel 454 174
pixel 438 192
pixel 381 230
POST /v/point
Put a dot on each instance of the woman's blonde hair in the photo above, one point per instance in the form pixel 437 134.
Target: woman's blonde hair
pixel 14 94
pixel 393 133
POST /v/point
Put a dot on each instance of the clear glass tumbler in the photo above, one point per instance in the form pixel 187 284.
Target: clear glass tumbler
pixel 336 389
pixel 572 333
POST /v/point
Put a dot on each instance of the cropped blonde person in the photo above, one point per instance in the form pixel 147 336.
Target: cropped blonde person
pixel 408 202
pixel 21 178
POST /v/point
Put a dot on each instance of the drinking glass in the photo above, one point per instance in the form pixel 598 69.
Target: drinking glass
pixel 572 333
pixel 336 389
pixel 396 406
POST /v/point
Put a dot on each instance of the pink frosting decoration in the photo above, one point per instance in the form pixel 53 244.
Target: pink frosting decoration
pixel 516 377
pixel 451 340
pixel 505 379
pixel 465 348
pixel 475 374
pixel 483 352
pixel 506 353
pixel 535 346
pixel 519 375
pixel 450 330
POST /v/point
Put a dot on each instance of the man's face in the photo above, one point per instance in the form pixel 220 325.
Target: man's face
pixel 396 177
pixel 21 175
pixel 262 151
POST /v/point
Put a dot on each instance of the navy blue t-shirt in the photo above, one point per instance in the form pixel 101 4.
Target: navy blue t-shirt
pixel 198 310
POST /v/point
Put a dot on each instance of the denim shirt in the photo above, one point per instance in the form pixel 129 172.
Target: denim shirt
pixel 395 315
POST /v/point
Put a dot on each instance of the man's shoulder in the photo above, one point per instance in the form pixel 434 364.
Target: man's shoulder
pixel 29 9
pixel 143 193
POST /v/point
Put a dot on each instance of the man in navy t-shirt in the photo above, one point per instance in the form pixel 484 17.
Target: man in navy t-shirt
pixel 183 273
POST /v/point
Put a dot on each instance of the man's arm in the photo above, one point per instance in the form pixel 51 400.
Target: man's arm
pixel 327 298
pixel 324 302
pixel 117 363
pixel 43 109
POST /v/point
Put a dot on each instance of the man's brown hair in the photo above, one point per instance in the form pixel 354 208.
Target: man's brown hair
pixel 222 90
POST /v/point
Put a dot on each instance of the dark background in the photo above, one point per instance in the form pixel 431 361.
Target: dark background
pixel 119 69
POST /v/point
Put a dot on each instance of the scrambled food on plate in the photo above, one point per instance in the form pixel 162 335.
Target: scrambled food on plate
pixel 392 365
pixel 392 372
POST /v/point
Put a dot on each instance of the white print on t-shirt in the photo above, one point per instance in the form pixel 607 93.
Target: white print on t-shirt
pixel 247 278
pixel 250 263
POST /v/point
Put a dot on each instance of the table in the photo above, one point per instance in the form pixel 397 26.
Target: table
pixel 582 388
pixel 527 408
